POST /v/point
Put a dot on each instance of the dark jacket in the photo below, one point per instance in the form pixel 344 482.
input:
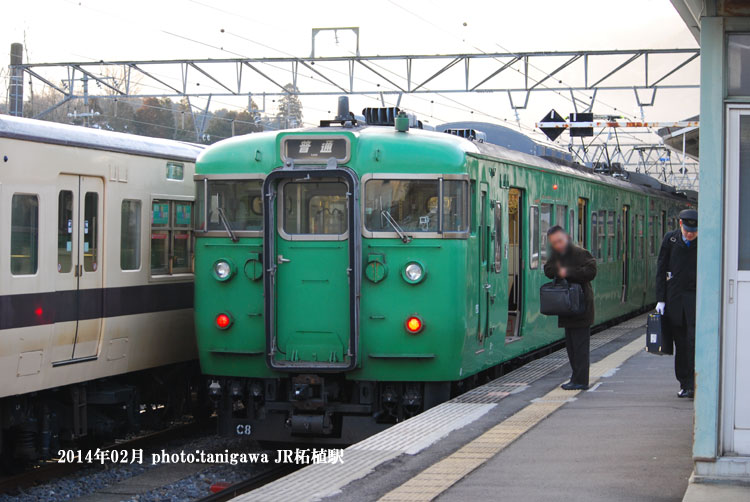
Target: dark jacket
pixel 678 293
pixel 581 269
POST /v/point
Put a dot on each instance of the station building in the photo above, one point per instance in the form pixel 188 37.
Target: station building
pixel 721 448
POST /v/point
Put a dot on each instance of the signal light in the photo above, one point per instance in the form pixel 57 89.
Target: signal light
pixel 38 311
pixel 414 325
pixel 554 187
pixel 223 321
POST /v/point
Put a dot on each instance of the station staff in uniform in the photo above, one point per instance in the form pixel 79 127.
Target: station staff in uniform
pixel 568 261
pixel 675 294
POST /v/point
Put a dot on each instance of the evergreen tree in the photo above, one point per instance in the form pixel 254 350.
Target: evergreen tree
pixel 289 113
pixel 155 118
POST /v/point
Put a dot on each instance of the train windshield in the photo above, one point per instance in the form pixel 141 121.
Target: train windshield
pixel 240 201
pixel 414 205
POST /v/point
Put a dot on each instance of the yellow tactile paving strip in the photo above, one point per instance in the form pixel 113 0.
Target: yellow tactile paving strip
pixel 430 483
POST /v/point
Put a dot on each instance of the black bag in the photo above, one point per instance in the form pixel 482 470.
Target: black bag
pixel 655 336
pixel 561 298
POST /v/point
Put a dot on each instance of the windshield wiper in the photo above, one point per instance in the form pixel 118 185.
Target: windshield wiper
pixel 392 222
pixel 227 226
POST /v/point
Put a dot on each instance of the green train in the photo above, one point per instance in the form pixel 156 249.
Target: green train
pixel 351 275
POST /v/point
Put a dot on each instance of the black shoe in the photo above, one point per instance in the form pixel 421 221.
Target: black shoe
pixel 574 386
pixel 686 393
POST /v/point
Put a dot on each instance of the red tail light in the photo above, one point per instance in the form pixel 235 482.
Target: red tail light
pixel 414 325
pixel 223 321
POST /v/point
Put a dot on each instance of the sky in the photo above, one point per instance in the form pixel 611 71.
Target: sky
pixel 86 30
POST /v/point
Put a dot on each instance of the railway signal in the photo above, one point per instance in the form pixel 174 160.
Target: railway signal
pixel 583 124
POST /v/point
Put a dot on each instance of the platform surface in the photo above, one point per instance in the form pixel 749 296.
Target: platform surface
pixel 520 437
pixel 628 439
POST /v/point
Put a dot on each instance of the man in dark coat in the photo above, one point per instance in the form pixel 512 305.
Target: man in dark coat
pixel 675 293
pixel 568 261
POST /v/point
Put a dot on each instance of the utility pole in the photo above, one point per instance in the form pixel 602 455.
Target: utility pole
pixel 15 92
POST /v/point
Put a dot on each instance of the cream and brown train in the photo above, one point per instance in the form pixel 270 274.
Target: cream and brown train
pixel 96 283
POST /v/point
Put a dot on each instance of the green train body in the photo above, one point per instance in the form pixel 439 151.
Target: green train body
pixel 302 297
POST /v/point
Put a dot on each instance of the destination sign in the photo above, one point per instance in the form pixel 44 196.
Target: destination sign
pixel 316 150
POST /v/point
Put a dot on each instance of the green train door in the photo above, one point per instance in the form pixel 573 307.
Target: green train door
pixel 311 263
pixel 483 281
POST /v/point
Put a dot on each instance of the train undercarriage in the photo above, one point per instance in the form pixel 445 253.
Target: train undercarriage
pixel 35 426
pixel 321 409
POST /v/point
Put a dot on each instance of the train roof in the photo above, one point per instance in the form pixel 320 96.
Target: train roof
pixel 82 137
pixel 440 150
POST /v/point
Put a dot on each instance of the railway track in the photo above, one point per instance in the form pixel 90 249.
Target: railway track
pixel 54 469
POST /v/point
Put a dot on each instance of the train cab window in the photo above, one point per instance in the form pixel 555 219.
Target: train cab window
pixel 171 237
pixel 65 231
pixel 24 234
pixel 611 235
pixel 583 212
pixel 238 203
pixel 545 222
pixel 602 233
pixel 415 207
pixel 90 229
pixel 315 208
pixel 534 234
pixel 130 235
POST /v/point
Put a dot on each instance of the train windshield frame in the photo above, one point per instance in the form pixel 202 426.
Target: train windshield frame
pixel 235 200
pixel 412 202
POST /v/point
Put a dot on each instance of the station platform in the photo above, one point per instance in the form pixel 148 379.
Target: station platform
pixel 521 437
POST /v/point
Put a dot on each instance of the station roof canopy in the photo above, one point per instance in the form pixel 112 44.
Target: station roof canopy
pixel 691 11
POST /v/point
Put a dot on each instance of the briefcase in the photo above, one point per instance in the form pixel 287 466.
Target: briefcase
pixel 561 298
pixel 655 336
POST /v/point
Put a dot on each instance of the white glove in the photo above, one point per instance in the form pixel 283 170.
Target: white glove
pixel 660 307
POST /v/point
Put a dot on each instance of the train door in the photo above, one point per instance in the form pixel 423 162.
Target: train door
pixel 311 256
pixel 624 256
pixel 79 281
pixel 483 282
pixel 515 264
pixel 498 305
pixel 736 287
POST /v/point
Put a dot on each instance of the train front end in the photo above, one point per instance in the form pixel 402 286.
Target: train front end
pixel 331 266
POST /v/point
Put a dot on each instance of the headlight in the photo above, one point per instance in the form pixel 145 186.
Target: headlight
pixel 413 272
pixel 223 270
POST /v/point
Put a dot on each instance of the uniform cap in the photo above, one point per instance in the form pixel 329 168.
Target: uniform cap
pixel 689 219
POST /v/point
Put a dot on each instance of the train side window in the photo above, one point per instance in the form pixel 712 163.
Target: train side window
pixel 641 239
pixel 24 234
pixel 600 246
pixel 560 213
pixel 583 206
pixel 90 231
pixel 534 236
pixel 611 236
pixel 130 235
pixel 171 237
pixel 572 224
pixel 544 223
pixel 651 235
pixel 619 238
pixel 594 235
pixel 65 231
pixel 498 237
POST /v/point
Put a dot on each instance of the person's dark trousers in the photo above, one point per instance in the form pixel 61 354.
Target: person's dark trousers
pixel 577 343
pixel 684 354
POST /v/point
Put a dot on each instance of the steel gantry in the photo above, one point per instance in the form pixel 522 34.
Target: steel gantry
pixel 643 72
